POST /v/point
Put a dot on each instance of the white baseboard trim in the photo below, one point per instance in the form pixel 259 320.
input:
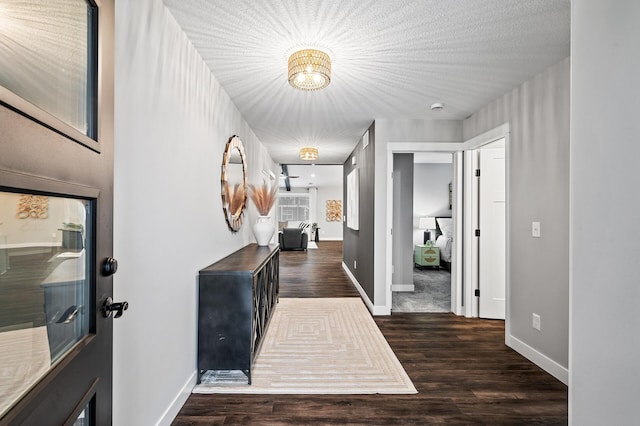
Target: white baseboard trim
pixel 403 287
pixel 541 360
pixel 375 310
pixel 330 239
pixel 171 412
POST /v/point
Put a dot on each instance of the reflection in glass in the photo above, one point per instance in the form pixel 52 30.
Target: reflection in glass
pixel 46 57
pixel 82 419
pixel 44 286
pixel 85 418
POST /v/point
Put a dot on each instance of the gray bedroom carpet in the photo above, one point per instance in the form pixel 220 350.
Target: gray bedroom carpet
pixel 432 293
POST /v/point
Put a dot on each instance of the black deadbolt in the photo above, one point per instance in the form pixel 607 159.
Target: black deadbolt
pixel 109 266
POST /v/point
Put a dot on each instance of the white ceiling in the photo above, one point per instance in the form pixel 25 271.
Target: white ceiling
pixel 309 176
pixel 390 59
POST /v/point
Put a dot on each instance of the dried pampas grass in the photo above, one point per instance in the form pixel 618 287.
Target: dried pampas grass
pixel 264 197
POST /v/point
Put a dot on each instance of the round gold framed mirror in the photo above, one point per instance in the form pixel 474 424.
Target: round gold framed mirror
pixel 234 183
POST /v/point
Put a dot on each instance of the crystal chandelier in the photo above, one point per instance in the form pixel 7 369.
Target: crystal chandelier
pixel 309 153
pixel 309 69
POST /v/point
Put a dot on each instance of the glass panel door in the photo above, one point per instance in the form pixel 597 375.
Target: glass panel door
pixel 46 243
pixel 48 53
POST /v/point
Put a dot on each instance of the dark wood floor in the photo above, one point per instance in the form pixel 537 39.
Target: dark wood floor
pixel 461 368
pixel 315 273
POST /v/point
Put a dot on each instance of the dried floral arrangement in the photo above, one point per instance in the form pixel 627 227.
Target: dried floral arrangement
pixel 264 197
pixel 236 198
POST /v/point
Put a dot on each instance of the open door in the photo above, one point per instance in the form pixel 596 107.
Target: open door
pixel 56 183
pixel 492 221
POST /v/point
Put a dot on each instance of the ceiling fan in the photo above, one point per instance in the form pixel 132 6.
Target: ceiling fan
pixel 285 175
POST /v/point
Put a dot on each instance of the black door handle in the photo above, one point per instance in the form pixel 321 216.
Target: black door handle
pixel 110 307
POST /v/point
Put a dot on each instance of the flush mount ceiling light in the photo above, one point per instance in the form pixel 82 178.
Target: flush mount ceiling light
pixel 309 153
pixel 438 106
pixel 309 69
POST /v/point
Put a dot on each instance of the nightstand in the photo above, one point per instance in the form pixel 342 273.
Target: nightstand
pixel 425 255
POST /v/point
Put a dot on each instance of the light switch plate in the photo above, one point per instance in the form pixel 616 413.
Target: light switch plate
pixel 535 229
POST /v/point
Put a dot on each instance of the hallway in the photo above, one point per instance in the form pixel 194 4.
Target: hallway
pixel 461 368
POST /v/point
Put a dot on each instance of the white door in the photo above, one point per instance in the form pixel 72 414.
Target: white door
pixel 492 245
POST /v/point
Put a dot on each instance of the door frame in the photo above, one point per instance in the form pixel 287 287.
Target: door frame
pixel 470 242
pixel 461 287
pixel 456 254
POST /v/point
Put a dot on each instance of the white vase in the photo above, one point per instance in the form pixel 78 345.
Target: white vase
pixel 263 230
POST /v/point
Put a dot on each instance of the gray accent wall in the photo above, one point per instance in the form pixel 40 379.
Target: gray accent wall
pixel 402 219
pixel 604 380
pixel 358 245
pixel 538 114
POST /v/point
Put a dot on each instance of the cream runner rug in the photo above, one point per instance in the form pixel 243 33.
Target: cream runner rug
pixel 322 346
pixel 24 359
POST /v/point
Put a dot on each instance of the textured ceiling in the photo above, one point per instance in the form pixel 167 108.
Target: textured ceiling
pixel 307 176
pixel 390 59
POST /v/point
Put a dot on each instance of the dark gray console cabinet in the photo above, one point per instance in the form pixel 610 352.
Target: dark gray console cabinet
pixel 237 296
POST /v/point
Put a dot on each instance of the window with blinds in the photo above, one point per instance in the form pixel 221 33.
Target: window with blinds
pixel 293 207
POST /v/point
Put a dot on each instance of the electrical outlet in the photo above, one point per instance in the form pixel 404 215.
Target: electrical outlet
pixel 355 265
pixel 535 229
pixel 536 321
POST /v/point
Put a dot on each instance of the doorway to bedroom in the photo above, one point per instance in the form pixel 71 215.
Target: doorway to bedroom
pixel 422 236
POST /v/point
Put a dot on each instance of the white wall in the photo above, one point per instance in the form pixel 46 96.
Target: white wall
pixel 172 120
pixel 430 194
pixel 604 381
pixel 328 230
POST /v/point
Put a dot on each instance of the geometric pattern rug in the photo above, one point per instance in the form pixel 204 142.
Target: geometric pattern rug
pixel 322 346
pixel 24 359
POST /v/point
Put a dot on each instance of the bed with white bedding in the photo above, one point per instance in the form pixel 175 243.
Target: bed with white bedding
pixel 444 239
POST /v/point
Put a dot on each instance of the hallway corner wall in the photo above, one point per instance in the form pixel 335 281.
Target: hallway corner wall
pixel 604 381
pixel 538 115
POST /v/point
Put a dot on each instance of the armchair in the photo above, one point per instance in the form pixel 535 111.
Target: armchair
pixel 293 239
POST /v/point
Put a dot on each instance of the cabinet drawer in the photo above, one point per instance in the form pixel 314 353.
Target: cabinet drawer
pixel 427 255
pixel 430 260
